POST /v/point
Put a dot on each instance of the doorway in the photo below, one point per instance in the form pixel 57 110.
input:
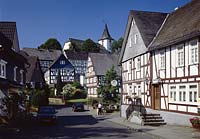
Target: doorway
pixel 156 91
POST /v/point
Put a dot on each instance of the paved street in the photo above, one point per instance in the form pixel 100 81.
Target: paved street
pixel 73 125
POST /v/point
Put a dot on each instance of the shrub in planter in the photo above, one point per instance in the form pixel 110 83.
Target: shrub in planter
pixel 195 121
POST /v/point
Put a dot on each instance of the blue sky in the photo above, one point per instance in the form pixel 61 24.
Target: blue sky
pixel 38 20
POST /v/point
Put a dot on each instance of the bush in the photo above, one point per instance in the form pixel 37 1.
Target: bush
pixel 40 97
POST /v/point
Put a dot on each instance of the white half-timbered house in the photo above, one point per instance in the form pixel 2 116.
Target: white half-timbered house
pixel 97 66
pixel 135 59
pixel 175 66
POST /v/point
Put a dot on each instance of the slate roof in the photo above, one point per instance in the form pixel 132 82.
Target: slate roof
pixel 76 41
pixel 103 62
pixel 34 72
pixel 8 29
pixel 148 24
pixel 73 55
pixel 43 54
pixel 106 34
pixel 180 25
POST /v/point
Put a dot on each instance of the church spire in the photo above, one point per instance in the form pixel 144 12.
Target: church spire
pixel 106 40
pixel 106 34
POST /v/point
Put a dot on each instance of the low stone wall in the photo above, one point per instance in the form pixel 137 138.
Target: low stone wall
pixel 123 110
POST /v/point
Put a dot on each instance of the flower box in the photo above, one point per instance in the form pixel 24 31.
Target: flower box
pixel 195 121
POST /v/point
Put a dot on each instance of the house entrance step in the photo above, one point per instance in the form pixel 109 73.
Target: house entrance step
pixel 152 119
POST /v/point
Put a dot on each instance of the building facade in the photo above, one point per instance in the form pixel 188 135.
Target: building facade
pixel 96 70
pixel 167 72
pixel 46 56
pixel 12 68
pixel 135 58
pixel 79 61
pixel 175 65
pixel 63 66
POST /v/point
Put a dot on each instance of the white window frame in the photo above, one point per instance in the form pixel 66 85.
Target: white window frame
pixel 182 91
pixel 180 55
pixel 138 63
pixel 3 68
pixel 21 77
pixel 173 93
pixel 15 73
pixel 193 52
pixel 162 59
pixel 130 42
pixel 192 92
pixel 135 39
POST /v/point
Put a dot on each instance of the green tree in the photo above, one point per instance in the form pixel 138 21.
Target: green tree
pixel 90 46
pixel 59 84
pixel 51 43
pixel 117 45
pixel 68 91
pixel 108 92
pixel 40 97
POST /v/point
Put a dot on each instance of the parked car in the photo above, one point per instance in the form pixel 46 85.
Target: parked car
pixel 78 107
pixel 47 114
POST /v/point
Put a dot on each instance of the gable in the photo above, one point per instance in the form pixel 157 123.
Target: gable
pixel 58 64
pixel 132 48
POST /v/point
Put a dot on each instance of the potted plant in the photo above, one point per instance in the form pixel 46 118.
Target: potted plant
pixel 195 121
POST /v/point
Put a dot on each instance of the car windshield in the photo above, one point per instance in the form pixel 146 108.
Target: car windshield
pixel 47 110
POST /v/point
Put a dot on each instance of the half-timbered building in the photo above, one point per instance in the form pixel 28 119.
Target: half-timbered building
pixel 97 66
pixel 176 65
pixel 46 56
pixel 62 65
pixel 12 69
pixel 135 59
pixel 79 61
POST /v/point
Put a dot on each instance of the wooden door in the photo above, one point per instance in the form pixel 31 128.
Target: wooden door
pixel 156 97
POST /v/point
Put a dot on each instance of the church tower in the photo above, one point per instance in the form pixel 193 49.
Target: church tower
pixel 106 40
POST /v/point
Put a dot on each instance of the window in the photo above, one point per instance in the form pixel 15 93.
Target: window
pixel 15 73
pixel 3 68
pixel 180 56
pixel 135 38
pixel 180 96
pixel 193 93
pixel 130 42
pixel 162 60
pixel 130 90
pixel 138 64
pixel 172 93
pixel 184 96
pixel 139 90
pixel 193 51
pixel 22 76
pixel 62 62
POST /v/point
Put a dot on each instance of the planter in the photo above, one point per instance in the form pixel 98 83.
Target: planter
pixel 195 122
pixel 197 126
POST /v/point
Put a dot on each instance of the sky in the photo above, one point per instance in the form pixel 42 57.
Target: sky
pixel 39 20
